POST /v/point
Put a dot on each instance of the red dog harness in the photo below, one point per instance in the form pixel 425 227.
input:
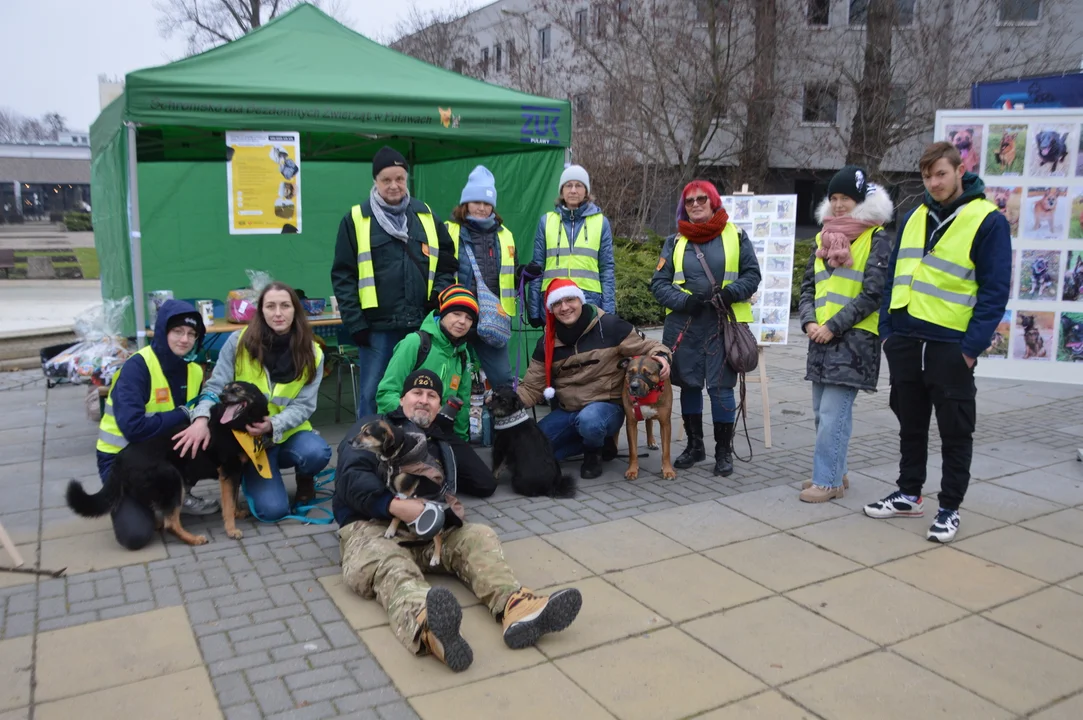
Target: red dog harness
pixel 649 399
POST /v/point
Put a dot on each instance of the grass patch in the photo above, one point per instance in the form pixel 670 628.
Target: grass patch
pixel 69 263
pixel 88 261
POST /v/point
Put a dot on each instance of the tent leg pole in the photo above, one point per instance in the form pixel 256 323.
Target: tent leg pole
pixel 135 240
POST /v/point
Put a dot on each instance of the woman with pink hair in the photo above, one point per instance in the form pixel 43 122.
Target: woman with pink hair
pixel 707 256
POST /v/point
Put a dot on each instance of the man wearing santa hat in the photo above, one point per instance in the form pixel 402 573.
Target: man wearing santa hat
pixel 576 368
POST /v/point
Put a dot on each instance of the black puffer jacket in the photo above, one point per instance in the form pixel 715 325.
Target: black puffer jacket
pixel 852 357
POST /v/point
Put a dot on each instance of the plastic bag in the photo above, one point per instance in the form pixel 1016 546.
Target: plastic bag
pixel 102 347
pixel 241 303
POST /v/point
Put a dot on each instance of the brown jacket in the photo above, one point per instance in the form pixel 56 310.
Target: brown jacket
pixel 588 371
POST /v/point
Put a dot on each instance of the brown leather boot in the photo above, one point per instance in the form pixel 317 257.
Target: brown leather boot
pixel 440 621
pixel 306 489
pixel 528 616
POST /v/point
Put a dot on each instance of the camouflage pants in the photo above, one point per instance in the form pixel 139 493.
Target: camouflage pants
pixel 376 567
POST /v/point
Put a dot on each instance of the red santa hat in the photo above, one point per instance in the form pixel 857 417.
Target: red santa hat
pixel 558 290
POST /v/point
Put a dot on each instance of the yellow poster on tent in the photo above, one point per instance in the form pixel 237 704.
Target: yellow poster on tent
pixel 263 177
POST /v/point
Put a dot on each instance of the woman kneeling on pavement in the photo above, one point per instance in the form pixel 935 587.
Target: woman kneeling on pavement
pixel 839 308
pixel 707 256
pixel 277 353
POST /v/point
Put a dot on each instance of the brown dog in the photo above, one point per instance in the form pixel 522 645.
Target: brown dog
pixel 1045 208
pixel 646 396
pixel 1006 155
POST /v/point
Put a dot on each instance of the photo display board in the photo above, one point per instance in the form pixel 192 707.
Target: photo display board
pixel 770 223
pixel 1032 165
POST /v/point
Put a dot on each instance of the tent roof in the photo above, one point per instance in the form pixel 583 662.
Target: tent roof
pixel 305 71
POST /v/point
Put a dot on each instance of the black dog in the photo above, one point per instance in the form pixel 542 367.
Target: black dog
pixel 522 454
pixel 154 474
pixel 1052 147
pixel 1071 333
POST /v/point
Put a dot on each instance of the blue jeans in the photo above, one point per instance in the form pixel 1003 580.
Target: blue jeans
pixel 833 411
pixel 494 361
pixel 372 362
pixel 306 451
pixel 571 433
pixel 723 403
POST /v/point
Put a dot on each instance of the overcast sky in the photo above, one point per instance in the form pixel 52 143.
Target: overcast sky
pixel 57 49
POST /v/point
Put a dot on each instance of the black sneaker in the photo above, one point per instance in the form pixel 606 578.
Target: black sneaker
pixel 592 465
pixel 895 505
pixel 945 527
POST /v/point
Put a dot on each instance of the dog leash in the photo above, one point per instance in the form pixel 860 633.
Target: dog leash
pixel 300 512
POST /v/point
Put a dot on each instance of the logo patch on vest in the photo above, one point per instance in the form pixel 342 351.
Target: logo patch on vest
pixel 661 264
pixel 161 395
pixel 425 249
pixel 454 385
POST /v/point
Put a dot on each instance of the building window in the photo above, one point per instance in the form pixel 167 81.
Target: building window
pixel 484 61
pixel 499 52
pixel 543 43
pixel 581 103
pixel 512 57
pixel 1026 11
pixel 599 21
pixel 582 26
pixel 821 103
pixel 624 14
pixel 458 65
pixel 904 9
pixel 819 13
pixel 896 106
pixel 707 10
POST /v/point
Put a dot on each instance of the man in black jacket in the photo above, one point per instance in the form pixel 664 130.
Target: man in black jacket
pixel 390 569
pixel 392 258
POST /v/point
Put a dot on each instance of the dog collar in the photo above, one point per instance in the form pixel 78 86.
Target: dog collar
pixel 512 420
pixel 649 399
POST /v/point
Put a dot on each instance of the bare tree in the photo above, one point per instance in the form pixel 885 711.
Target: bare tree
pixel 17 128
pixel 437 36
pixel 207 23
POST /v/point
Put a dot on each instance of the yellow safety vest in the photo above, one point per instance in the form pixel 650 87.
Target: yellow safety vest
pixel 731 246
pixel 578 260
pixel 939 287
pixel 366 278
pixel 507 263
pixel 246 369
pixel 110 438
pixel 836 288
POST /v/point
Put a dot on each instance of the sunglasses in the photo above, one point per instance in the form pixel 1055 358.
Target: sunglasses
pixel 697 200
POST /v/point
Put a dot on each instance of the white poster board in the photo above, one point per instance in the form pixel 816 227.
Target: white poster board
pixel 263 178
pixel 770 221
pixel 1032 166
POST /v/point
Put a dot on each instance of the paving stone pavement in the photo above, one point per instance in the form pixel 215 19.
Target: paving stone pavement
pixel 703 573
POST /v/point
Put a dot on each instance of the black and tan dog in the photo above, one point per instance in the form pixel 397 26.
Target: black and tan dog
pixel 646 396
pixel 410 471
pixel 154 474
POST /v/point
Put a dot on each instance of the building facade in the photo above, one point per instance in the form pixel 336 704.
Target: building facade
pixel 41 179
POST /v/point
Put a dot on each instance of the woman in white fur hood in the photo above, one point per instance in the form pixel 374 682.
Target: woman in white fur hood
pixel 839 309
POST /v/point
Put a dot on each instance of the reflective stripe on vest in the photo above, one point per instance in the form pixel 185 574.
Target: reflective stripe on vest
pixel 939 287
pixel 578 259
pixel 507 263
pixel 835 289
pixel 366 276
pixel 110 438
pixel 731 247
pixel 246 369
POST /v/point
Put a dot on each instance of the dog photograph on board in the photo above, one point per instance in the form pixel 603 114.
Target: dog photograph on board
pixel 1045 214
pixel 1047 150
pixel 1006 150
pixel 967 139
pixel 1040 270
pixel 1008 201
pixel 1032 335
pixel 1070 345
pixel 1072 288
pixel 998 347
pixel 1075 217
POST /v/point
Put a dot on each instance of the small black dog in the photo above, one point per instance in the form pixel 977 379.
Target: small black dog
pixel 1052 147
pixel 522 454
pixel 154 474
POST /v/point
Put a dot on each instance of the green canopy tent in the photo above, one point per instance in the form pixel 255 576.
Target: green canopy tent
pixel 158 167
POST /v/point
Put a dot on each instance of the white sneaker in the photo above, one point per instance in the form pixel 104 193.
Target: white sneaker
pixel 895 505
pixel 195 505
pixel 945 527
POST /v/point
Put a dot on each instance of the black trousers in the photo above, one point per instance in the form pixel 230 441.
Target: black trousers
pixel 473 477
pixel 927 375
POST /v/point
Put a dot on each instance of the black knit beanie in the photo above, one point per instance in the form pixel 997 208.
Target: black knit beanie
pixel 852 181
pixel 387 157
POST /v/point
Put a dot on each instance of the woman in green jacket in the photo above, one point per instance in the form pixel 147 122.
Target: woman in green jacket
pixel 444 333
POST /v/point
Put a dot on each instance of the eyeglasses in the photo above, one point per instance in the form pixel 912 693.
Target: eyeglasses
pixel 184 332
pixel 697 200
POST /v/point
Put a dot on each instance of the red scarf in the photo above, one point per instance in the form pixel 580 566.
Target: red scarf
pixel 705 231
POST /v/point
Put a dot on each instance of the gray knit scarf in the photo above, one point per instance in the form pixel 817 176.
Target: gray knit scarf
pixel 392 218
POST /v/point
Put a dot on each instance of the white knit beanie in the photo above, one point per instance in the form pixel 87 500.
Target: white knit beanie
pixel 575 172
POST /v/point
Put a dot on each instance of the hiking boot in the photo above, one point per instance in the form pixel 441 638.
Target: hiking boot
pixel 528 616
pixel 440 621
pixel 895 505
pixel 694 452
pixel 609 449
pixel 306 490
pixel 196 506
pixel 819 494
pixel 945 527
pixel 592 465
pixel 723 449
pixel 845 483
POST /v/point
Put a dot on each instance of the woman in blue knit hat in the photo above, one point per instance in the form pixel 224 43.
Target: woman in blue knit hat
pixel 481 239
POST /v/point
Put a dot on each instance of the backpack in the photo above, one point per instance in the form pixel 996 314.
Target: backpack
pixel 425 346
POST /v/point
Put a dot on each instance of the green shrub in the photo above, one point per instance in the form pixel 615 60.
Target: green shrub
pixel 635 262
pixel 77 222
pixel 802 250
